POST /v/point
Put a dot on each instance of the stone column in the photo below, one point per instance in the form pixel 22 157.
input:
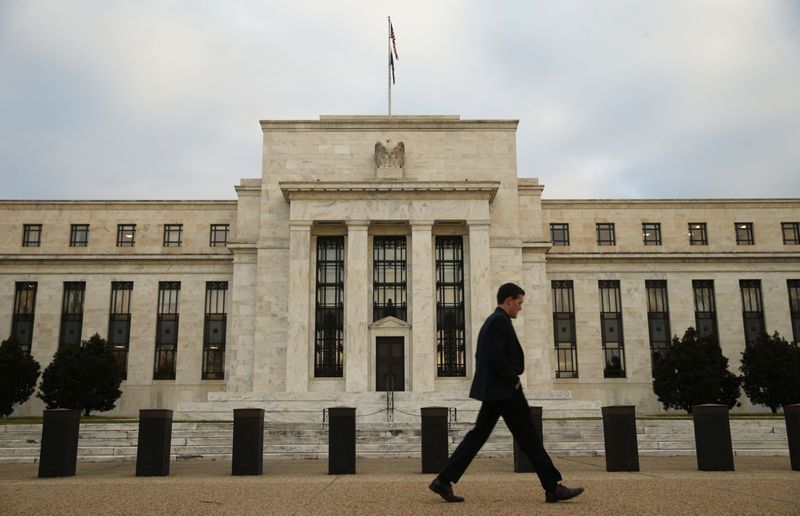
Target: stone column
pixel 239 359
pixel 482 294
pixel 356 307
pixel 298 348
pixel 423 338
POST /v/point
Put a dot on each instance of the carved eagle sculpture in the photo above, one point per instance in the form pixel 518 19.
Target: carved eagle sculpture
pixel 385 157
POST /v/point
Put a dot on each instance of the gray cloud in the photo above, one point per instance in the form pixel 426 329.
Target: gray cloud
pixel 161 99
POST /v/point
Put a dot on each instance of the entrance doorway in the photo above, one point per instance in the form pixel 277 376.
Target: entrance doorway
pixel 389 364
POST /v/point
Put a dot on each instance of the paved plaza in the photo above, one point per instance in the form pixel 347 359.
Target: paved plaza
pixel 665 485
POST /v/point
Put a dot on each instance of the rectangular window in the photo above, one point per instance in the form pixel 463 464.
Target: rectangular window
pixel 697 233
pixel 79 235
pixel 172 235
pixel 119 323
pixel 450 333
pixel 166 330
pixel 31 235
pixel 389 277
pixel 606 234
pixel 794 307
pixel 705 309
pixel 744 233
pixel 564 329
pixel 72 313
pixel 559 234
pixel 611 328
pixel 24 308
pixel 791 233
pixel 126 235
pixel 219 235
pixel 214 331
pixel 752 311
pixel 329 310
pixel 657 318
pixel 651 233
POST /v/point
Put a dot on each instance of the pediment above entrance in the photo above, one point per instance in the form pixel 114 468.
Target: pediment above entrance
pixel 389 322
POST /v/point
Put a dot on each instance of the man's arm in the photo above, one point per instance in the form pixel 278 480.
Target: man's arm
pixel 497 337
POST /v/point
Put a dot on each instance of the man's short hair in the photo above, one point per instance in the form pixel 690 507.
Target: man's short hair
pixel 507 290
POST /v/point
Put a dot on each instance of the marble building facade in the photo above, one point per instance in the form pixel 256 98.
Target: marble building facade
pixel 371 248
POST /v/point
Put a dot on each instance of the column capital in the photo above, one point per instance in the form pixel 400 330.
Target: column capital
pixel 479 224
pixel 301 224
pixel 421 224
pixel 355 224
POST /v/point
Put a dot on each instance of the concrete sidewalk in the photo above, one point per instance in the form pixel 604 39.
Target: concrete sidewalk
pixel 760 485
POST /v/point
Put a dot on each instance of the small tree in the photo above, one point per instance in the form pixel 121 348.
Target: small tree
pixel 84 377
pixel 18 375
pixel 693 371
pixel 771 372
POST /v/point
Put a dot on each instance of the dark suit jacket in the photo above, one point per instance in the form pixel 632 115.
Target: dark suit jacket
pixel 499 359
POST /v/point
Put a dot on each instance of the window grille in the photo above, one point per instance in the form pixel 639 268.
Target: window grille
pixel 167 320
pixel 450 333
pixel 611 329
pixel 559 234
pixel 119 323
pixel 72 313
pixel 126 235
pixel 389 277
pixel 697 233
pixel 214 338
pixel 564 329
pixel 752 311
pixel 657 318
pixel 31 235
pixel 705 309
pixel 24 311
pixel 606 234
pixel 329 318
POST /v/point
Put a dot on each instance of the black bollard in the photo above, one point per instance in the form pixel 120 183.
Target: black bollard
pixel 792 415
pixel 712 437
pixel 155 439
pixel 58 453
pixel 619 435
pixel 521 462
pixel 341 441
pixel 248 442
pixel 434 438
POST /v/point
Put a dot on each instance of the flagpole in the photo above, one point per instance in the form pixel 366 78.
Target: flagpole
pixel 388 61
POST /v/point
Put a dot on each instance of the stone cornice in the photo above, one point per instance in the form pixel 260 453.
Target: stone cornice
pixel 529 186
pixel 381 123
pixel 670 203
pixel 114 256
pixel 681 257
pixel 116 204
pixel 483 190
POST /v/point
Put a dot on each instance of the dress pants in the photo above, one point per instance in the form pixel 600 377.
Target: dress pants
pixel 517 415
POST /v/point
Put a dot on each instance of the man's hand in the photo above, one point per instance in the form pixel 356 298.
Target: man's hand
pixel 518 386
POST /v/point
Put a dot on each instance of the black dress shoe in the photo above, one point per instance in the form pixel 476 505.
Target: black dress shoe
pixel 561 493
pixel 445 490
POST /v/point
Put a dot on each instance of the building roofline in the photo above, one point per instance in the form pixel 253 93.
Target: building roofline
pixel 393 122
pixel 115 202
pixel 619 202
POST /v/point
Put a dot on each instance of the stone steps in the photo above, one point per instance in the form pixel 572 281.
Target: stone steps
pixel 107 442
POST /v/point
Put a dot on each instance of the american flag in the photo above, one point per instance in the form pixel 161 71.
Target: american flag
pixel 394 47
pixel 394 42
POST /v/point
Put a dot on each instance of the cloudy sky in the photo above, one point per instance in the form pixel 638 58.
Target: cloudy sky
pixel 149 99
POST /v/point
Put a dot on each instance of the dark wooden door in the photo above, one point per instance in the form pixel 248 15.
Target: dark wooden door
pixel 389 360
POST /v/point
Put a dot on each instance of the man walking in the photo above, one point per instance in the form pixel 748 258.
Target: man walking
pixel 499 361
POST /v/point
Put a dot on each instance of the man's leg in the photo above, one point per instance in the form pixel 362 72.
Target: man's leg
pixel 517 415
pixel 472 443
